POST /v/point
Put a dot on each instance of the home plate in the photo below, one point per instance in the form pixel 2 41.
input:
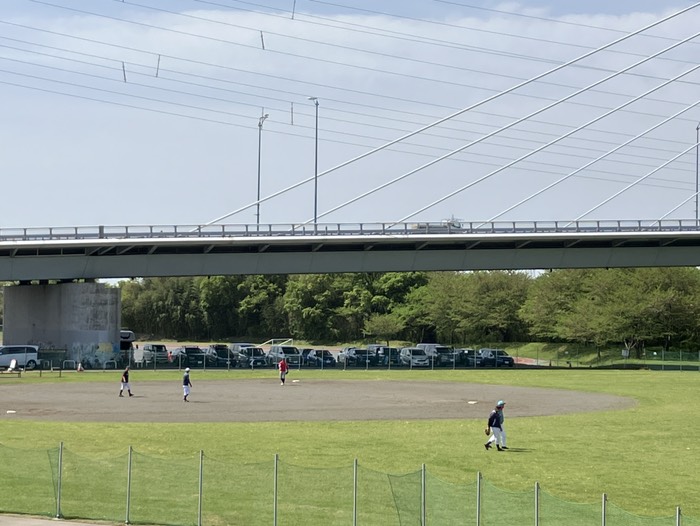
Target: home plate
pixel 472 402
pixel 295 381
pixel 11 412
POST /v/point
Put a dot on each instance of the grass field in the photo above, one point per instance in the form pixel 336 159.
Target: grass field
pixel 644 458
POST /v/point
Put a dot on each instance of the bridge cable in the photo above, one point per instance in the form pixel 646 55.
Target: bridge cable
pixel 518 121
pixel 616 194
pixel 610 152
pixel 455 114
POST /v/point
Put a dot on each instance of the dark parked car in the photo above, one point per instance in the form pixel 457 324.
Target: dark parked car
pixel 468 358
pixel 495 358
pixel 444 356
pixel 191 356
pixel 364 358
pixel 388 356
pixel 251 357
pixel 305 356
pixel 320 358
pixel 222 355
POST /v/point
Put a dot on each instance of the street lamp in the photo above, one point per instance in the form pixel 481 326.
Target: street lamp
pixel 260 125
pixel 697 163
pixel 315 99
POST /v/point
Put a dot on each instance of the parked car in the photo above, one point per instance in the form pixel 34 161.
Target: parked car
pixel 277 352
pixel 444 356
pixel 347 356
pixel 321 358
pixel 414 357
pixel 222 355
pixel 388 356
pixel 251 357
pixel 192 356
pixel 364 358
pixel 468 358
pixel 495 358
pixel 305 356
pixel 428 347
pixel 27 356
pixel 150 352
pixel 237 347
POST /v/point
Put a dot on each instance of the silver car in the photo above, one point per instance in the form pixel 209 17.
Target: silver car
pixel 414 357
pixel 277 352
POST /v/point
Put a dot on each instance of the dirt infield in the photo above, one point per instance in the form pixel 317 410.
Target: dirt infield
pixel 265 400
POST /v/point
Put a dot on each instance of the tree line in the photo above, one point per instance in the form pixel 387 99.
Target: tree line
pixel 600 307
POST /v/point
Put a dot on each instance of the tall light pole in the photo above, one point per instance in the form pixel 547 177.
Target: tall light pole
pixel 315 99
pixel 260 125
pixel 697 164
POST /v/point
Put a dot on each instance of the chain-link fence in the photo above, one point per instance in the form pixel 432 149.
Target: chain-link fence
pixel 142 489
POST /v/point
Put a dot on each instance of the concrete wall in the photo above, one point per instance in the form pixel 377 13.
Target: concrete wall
pixel 82 318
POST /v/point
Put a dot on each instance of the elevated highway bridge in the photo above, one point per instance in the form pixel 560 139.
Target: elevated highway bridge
pixel 93 252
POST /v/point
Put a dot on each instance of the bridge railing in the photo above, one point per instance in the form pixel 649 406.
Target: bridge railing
pixel 346 229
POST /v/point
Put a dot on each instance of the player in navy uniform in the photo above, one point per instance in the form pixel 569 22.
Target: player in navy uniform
pixel 495 426
pixel 186 384
pixel 125 383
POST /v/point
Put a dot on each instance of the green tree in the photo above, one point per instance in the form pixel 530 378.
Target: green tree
pixel 491 312
pixel 550 300
pixel 311 303
pixel 261 306
pixel 218 300
pixel 383 326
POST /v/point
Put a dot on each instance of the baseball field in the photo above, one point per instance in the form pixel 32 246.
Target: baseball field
pixel 579 433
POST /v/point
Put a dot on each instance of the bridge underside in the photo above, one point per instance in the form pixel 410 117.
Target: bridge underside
pixel 126 258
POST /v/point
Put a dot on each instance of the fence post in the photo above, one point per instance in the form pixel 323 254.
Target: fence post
pixel 422 496
pixel 537 504
pixel 274 493
pixel 478 498
pixel 605 500
pixel 128 487
pixel 58 482
pixel 678 516
pixel 354 493
pixel 201 486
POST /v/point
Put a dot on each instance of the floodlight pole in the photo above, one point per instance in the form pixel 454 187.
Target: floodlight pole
pixel 697 165
pixel 315 99
pixel 260 127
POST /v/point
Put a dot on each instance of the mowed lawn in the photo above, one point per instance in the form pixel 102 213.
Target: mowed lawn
pixel 646 459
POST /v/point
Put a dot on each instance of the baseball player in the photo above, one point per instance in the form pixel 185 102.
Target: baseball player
pixel 494 427
pixel 283 368
pixel 125 383
pixel 186 384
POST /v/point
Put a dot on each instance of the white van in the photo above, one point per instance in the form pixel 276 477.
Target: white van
pixel 27 356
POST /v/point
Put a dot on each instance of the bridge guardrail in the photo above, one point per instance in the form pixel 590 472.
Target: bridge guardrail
pixel 341 229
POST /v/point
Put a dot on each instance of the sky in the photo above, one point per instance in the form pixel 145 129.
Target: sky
pixel 148 112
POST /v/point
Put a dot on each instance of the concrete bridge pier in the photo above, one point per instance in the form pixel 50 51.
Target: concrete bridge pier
pixel 70 321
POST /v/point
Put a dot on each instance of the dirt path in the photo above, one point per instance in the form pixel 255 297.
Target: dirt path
pixel 242 400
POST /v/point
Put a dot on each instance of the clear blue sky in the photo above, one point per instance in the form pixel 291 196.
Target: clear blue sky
pixel 147 111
